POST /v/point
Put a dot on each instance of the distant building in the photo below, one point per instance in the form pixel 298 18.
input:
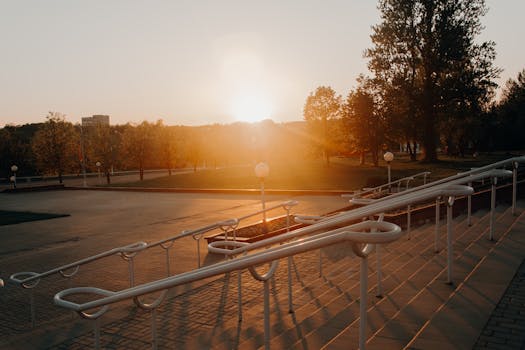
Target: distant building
pixel 97 119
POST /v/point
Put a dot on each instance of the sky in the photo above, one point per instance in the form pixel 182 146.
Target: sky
pixel 195 62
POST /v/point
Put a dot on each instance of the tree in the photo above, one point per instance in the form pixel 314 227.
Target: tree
pixel 55 145
pixel 137 145
pixel 363 120
pixel 100 144
pixel 426 58
pixel 320 109
pixel 510 114
pixel 167 139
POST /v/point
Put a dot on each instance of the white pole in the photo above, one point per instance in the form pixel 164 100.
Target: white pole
pixel 267 314
pixel 450 232
pixel 514 185
pixel 492 207
pixel 436 229
pixel 469 207
pixel 363 303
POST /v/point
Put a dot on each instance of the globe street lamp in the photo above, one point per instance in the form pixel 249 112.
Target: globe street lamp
pixel 14 169
pixel 98 164
pixel 388 157
pixel 261 171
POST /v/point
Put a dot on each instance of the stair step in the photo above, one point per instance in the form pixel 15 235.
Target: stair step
pixel 417 304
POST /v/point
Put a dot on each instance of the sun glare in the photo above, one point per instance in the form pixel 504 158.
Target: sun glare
pixel 251 108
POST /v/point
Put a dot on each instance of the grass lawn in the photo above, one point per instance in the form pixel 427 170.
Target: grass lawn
pixel 343 174
pixel 17 217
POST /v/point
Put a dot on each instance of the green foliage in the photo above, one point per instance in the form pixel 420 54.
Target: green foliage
pixel 363 120
pixel 56 146
pixel 430 70
pixel 320 111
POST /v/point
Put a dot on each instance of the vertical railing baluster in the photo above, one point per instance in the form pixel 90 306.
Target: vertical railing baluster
pixel 409 219
pixel 514 185
pixel 97 333
pixel 450 256
pixel 469 207
pixel 267 314
pixel 492 207
pixel 363 302
pixel 436 228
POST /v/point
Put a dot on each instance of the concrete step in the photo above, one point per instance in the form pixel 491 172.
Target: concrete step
pixel 394 320
pixel 345 288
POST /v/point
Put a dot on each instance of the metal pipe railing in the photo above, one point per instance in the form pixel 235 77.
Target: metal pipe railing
pixel 29 280
pixel 367 202
pixel 388 185
pixel 272 253
pixel 362 245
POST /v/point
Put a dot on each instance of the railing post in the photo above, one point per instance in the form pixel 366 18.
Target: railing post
pixel 267 314
pixel 492 207
pixel 450 253
pixel 168 261
pixel 469 207
pixel 131 272
pixel 154 343
pixel 362 302
pixel 379 292
pixel 409 219
pixel 436 228
pixel 239 295
pixel 514 185
pixel 97 333
pixel 32 307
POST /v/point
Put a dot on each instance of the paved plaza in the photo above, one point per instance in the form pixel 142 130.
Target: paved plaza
pixel 102 220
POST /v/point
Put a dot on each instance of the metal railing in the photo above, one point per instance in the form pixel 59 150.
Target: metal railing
pixel 267 255
pixel 449 188
pixel 493 175
pixel 387 186
pixel 29 280
pixel 363 244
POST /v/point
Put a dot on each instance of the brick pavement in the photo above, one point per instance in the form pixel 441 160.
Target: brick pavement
pixel 506 327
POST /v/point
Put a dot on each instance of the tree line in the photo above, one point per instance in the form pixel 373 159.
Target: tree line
pixel 57 146
pixel 430 83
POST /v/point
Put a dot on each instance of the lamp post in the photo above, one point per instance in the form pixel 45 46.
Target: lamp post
pixel 261 171
pixel 14 169
pixel 388 157
pixel 98 164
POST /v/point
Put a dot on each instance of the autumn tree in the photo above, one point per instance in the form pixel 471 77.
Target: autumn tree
pixel 55 145
pixel 363 120
pixel 426 58
pixel 138 145
pixel 101 144
pixel 320 109
pixel 167 145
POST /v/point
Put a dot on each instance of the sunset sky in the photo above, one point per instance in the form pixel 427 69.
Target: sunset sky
pixel 195 62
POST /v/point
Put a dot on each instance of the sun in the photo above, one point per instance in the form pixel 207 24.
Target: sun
pixel 251 107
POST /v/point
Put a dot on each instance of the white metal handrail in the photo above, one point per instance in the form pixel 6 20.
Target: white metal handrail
pixel 265 255
pixel 362 245
pixel 388 185
pixel 29 280
pixel 514 162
